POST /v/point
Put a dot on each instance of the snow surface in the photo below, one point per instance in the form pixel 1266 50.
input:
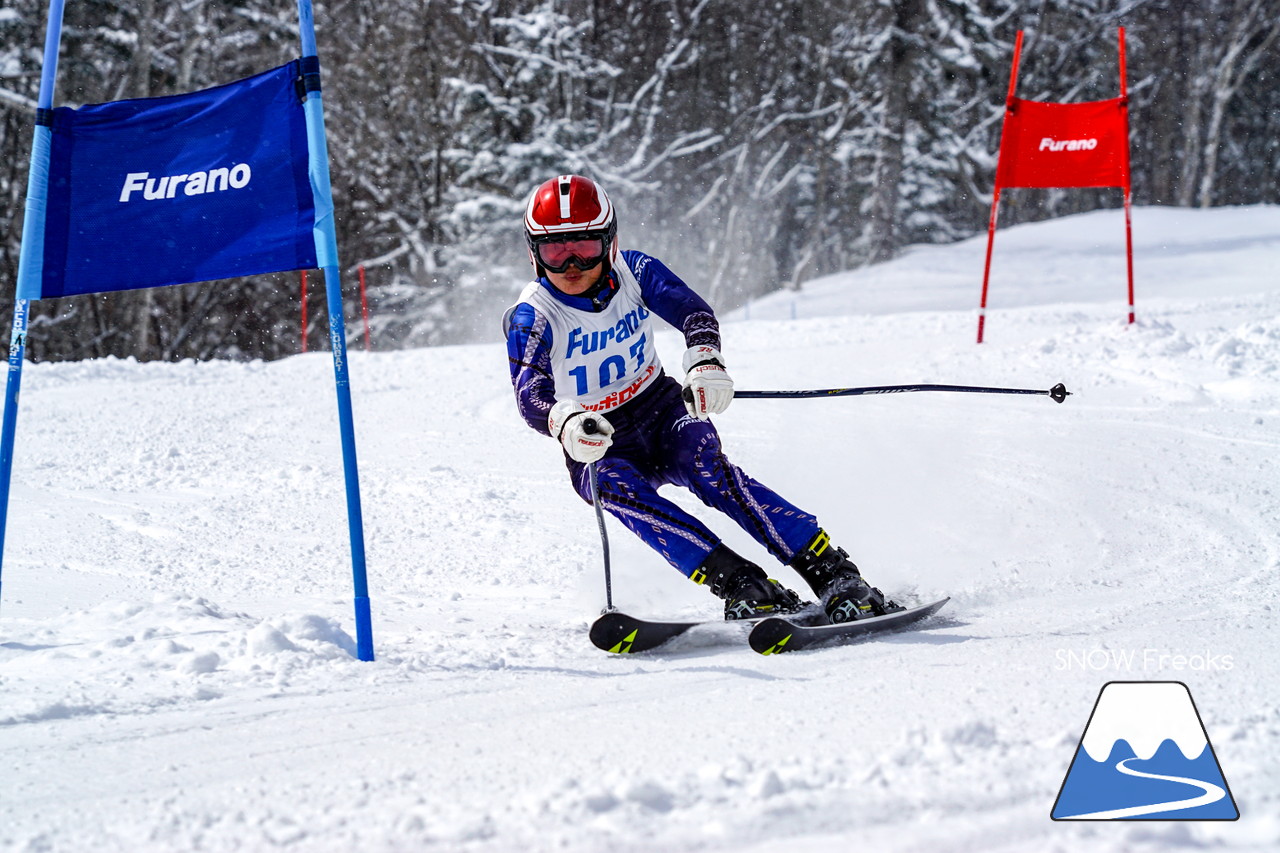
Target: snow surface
pixel 176 653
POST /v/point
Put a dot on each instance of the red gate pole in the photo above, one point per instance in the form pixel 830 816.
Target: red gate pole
pixel 1128 239
pixel 1128 187
pixel 986 269
pixel 304 310
pixel 364 308
pixel 995 198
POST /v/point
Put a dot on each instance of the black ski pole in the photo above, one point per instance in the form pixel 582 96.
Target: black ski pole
pixel 589 427
pixel 1057 393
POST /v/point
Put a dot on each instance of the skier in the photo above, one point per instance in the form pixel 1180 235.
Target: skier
pixel 585 372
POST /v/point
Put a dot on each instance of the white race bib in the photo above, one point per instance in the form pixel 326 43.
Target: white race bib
pixel 603 359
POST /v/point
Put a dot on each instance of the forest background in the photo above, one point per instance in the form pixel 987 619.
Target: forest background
pixel 752 144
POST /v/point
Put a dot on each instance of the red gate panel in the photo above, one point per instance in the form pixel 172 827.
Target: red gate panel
pixel 1064 145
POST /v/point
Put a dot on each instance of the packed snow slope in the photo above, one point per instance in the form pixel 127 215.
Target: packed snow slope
pixel 176 653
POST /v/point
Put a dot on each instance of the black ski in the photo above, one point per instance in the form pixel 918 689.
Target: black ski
pixel 621 634
pixel 776 635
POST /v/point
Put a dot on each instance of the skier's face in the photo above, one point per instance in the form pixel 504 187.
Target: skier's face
pixel 574 281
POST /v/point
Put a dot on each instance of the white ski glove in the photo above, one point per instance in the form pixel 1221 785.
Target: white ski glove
pixel 568 423
pixel 708 389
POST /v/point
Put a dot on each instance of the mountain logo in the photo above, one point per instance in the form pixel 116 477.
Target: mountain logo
pixel 1144 755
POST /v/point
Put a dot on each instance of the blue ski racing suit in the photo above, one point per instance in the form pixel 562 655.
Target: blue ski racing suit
pixel 598 350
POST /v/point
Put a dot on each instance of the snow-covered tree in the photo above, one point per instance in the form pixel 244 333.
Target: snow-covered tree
pixel 754 144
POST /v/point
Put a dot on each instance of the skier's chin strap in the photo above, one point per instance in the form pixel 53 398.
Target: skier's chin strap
pixel 601 293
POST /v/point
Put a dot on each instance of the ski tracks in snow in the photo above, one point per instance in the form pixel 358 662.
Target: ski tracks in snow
pixel 176 656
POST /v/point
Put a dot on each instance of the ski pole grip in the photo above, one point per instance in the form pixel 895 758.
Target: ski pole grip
pixel 589 425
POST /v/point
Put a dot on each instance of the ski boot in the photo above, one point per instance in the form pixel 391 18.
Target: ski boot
pixel 747 592
pixel 837 581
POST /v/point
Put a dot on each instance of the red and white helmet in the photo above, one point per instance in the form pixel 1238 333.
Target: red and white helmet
pixel 570 211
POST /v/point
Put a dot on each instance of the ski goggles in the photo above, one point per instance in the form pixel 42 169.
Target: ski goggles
pixel 555 255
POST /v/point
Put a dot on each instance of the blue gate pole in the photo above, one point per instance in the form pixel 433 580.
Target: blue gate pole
pixel 31 255
pixel 327 258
